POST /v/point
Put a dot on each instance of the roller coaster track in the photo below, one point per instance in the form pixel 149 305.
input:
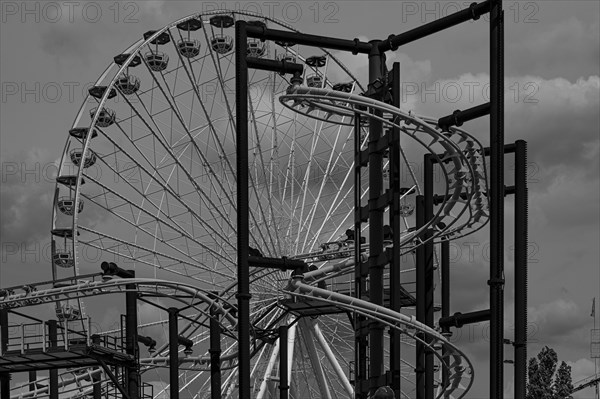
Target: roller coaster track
pixel 460 368
pixel 460 155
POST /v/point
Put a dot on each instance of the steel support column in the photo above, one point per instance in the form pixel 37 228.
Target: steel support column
pixel 445 265
pixel 173 354
pixel 53 373
pixel 395 224
pixel 215 355
pixel 427 259
pixel 420 297
pixel 521 242
pixel 360 322
pixel 32 374
pixel 131 347
pixel 97 390
pixel 284 387
pixel 376 268
pixel 5 385
pixel 4 377
pixel 496 281
pixel 243 273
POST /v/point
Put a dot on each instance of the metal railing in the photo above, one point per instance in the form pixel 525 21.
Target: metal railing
pixel 36 336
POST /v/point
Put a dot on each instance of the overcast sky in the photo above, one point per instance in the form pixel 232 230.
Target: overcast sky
pixel 49 54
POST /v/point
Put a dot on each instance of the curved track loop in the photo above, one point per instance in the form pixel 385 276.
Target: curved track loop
pixel 190 296
pixel 460 155
pixel 460 369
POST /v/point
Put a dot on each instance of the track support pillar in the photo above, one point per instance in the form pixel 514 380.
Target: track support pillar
pixel 521 238
pixel 215 355
pixel 131 348
pixel 53 373
pixel 173 354
pixel 284 387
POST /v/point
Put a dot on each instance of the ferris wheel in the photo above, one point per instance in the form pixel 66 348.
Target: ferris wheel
pixel 147 178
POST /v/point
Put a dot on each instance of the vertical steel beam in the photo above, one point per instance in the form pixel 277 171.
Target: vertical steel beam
pixel 4 385
pixel 53 343
pixel 361 342
pixel 97 390
pixel 496 281
pixel 376 344
pixel 428 162
pixel 243 294
pixel 521 242
pixel 445 264
pixel 215 355
pixel 32 379
pixel 420 297
pixel 173 354
pixel 284 387
pixel 131 340
pixel 395 275
pixel 4 377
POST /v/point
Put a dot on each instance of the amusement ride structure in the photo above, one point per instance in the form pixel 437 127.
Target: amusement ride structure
pixel 324 285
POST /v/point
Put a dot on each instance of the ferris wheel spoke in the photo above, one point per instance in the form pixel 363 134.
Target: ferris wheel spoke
pixel 175 110
pixel 336 202
pixel 290 180
pixel 330 167
pixel 167 221
pixel 274 154
pixel 268 370
pixel 304 186
pixel 333 209
pixel 343 379
pixel 165 186
pixel 301 376
pixel 216 59
pixel 148 252
pixel 260 218
pixel 326 173
pixel 309 342
pixel 276 245
pixel 192 80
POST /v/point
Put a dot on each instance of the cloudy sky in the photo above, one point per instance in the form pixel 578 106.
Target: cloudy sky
pixel 50 51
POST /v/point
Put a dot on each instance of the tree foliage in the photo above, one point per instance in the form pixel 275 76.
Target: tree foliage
pixel 545 381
